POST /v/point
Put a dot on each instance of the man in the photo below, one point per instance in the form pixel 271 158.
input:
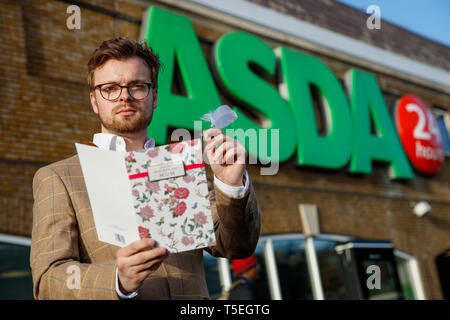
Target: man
pixel 123 82
pixel 246 272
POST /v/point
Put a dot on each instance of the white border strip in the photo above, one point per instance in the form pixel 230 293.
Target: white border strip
pixel 326 38
pixel 224 274
pixel 272 272
pixel 363 245
pixel 313 268
pixel 416 279
pixel 15 240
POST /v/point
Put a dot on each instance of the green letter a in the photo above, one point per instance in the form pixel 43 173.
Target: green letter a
pixel 367 101
pixel 233 54
pixel 173 37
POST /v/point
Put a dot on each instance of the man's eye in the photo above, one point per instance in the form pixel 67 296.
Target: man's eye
pixel 109 88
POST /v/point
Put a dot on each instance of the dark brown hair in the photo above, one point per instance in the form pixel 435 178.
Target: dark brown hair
pixel 123 48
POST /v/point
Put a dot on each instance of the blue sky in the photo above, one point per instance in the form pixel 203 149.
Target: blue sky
pixel 429 18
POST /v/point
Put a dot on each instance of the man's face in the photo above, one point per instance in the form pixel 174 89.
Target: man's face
pixel 125 115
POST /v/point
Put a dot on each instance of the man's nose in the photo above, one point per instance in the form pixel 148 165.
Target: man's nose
pixel 125 95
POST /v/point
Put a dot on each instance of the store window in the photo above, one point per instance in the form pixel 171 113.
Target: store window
pixel 292 269
pixel 285 273
pixel 220 276
pixel 390 285
pixel 15 272
pixel 330 269
pixel 262 291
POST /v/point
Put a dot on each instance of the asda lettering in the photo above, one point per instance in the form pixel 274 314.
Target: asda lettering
pixel 347 138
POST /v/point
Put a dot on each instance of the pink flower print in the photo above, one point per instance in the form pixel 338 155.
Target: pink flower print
pixel 177 147
pixel 187 241
pixel 181 193
pixel 143 232
pixel 146 213
pixel 153 153
pixel 152 186
pixel 200 218
pixel 168 189
pixel 180 209
pixel 187 178
pixel 135 193
pixel 130 157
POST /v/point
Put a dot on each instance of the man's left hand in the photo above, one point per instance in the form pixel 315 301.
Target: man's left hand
pixel 226 157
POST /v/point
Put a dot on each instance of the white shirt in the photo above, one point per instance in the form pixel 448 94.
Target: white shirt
pixel 117 143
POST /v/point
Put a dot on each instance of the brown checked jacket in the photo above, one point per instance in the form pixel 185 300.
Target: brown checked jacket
pixel 64 239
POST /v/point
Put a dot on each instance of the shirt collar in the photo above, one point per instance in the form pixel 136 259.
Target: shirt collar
pixel 110 141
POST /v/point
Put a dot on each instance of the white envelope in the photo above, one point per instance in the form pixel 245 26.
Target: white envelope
pixel 107 185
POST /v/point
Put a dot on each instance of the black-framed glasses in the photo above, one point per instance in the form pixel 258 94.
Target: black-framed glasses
pixel 112 91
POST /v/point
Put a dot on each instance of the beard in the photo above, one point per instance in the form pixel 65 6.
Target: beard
pixel 123 124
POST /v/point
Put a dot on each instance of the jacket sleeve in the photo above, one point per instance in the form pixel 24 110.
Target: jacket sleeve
pixel 237 224
pixel 54 256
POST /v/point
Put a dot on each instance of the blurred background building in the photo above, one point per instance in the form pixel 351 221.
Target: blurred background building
pixel 401 226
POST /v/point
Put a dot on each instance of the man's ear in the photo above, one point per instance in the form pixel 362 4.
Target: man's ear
pixel 93 102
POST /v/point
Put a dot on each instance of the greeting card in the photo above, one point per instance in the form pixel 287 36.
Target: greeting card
pixel 161 193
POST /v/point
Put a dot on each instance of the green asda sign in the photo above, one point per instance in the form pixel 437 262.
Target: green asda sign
pixel 348 136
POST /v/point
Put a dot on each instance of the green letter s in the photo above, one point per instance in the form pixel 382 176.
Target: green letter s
pixel 232 55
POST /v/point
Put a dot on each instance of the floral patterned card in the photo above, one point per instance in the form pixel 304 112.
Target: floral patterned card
pixel 175 212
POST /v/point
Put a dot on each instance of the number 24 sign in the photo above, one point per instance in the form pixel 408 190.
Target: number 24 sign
pixel 419 134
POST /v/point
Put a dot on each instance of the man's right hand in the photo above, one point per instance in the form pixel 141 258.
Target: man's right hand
pixel 136 261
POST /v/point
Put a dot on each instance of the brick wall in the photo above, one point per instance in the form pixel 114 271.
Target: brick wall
pixel 45 109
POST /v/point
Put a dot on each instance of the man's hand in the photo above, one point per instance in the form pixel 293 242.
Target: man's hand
pixel 226 157
pixel 136 261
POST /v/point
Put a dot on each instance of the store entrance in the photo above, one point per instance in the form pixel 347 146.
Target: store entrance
pixel 349 269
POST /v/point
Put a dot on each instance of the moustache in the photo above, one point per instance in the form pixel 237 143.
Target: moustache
pixel 125 106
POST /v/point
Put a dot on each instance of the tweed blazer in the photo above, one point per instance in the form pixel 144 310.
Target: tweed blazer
pixel 64 240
